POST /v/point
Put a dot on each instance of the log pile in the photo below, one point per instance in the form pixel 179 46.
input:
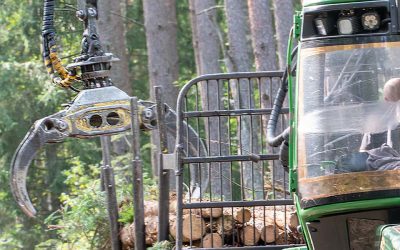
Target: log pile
pixel 219 227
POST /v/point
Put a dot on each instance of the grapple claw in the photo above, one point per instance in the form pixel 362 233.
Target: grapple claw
pixel 43 131
pixel 94 112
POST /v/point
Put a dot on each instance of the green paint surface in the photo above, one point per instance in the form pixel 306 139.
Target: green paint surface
pixel 346 207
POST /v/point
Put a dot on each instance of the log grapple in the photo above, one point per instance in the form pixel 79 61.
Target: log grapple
pixel 99 109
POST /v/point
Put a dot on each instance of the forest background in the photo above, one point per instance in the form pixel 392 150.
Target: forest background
pixel 160 43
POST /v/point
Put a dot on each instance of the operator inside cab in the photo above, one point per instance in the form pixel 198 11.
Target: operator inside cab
pixel 348 109
pixel 379 153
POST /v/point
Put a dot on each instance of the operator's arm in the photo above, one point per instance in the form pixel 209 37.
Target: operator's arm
pixel 391 90
pixel 391 93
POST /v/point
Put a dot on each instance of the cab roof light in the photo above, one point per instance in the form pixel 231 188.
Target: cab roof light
pixel 370 20
pixel 324 24
pixel 348 23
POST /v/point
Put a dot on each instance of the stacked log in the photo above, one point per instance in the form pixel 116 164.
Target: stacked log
pixel 217 227
pixel 242 215
pixel 207 213
pixel 212 240
pixel 268 233
pixel 250 235
pixel 293 221
pixel 127 236
pixel 225 225
pixel 151 229
pixel 194 227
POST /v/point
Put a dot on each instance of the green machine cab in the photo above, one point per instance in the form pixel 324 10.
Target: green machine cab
pixel 344 146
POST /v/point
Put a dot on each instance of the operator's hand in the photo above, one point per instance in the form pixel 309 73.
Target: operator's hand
pixel 391 90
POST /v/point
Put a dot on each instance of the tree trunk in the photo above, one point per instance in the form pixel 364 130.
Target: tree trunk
pixel 111 28
pixel 195 40
pixel 238 30
pixel 112 33
pixel 239 55
pixel 283 13
pixel 264 46
pixel 208 49
pixel 262 33
pixel 207 53
pixel 161 29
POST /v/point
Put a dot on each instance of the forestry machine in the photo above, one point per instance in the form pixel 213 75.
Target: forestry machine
pixel 99 108
pixel 343 145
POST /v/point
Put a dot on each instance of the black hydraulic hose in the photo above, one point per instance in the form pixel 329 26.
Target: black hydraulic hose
pixel 276 141
pixel 65 78
pixel 272 140
pixel 48 30
pixel 48 34
pixel 48 16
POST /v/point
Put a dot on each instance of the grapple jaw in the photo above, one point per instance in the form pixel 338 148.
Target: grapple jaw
pixel 94 112
pixel 44 131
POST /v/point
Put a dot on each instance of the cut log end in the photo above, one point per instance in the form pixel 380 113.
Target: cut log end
pixel 212 240
pixel 249 235
pixel 242 215
pixel 127 236
pixel 211 212
pixel 194 227
pixel 293 221
pixel 151 229
pixel 225 225
pixel 268 233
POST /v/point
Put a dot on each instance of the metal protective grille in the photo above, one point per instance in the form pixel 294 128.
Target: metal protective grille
pixel 232 190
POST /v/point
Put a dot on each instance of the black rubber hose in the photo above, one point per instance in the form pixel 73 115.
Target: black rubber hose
pixel 272 140
pixel 276 141
pixel 48 16
pixel 48 30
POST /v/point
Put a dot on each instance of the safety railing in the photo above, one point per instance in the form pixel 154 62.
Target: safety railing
pixel 231 188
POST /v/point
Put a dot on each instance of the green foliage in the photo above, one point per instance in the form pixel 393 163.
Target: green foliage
pixel 18 27
pixel 126 213
pixel 82 220
pixel 22 83
pixel 297 5
pixel 163 245
pixel 186 53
